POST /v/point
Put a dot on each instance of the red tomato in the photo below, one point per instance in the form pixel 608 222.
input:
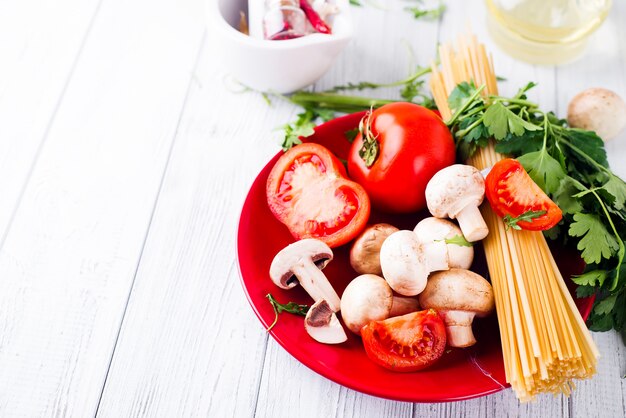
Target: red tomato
pixel 414 144
pixel 405 343
pixel 308 191
pixel 511 191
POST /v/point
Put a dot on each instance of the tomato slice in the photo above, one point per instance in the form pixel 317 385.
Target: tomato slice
pixel 406 343
pixel 308 191
pixel 511 191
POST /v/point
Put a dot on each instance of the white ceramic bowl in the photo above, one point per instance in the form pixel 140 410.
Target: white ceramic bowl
pixel 278 66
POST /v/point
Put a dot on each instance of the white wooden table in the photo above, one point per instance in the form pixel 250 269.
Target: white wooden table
pixel 124 161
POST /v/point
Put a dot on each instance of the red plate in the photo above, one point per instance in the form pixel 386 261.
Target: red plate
pixel 459 374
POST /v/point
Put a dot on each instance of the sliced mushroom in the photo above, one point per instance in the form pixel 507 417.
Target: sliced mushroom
pixel 406 263
pixel 322 324
pixel 369 298
pixel 365 252
pixel 302 262
pixel 433 231
pixel 458 295
pixel 456 192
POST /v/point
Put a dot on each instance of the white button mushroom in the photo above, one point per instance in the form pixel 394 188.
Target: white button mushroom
pixel 302 262
pixel 458 295
pixel 434 231
pixel 365 252
pixel 599 110
pixel 322 324
pixel 369 298
pixel 406 263
pixel 456 192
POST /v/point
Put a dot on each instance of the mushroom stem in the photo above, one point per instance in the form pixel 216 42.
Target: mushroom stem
pixel 316 284
pixel 402 305
pixel 459 328
pixel 472 223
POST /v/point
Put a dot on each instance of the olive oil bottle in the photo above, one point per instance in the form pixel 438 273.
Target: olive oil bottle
pixel 545 31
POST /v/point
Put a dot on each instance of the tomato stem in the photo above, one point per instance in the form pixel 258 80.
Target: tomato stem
pixel 369 150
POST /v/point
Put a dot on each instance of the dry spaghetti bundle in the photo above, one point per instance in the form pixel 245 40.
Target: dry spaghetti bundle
pixel 545 343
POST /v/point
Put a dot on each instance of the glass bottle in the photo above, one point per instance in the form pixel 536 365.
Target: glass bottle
pixel 545 31
pixel 283 20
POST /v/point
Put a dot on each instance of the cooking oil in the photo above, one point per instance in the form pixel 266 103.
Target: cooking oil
pixel 545 31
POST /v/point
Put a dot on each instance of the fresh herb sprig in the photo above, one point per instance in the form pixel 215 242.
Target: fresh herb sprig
pixel 510 222
pixel 323 106
pixel 571 166
pixel 290 307
pixel 420 12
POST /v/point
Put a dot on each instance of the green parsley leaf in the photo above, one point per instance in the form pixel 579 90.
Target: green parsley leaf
pixel 596 242
pixel 543 169
pixel 600 323
pixel 616 188
pixel 355 3
pixel 591 278
pixel 517 145
pixel 528 216
pixel 585 291
pixel 500 120
pixel 565 198
pixel 589 143
pixel 426 14
pixel 460 95
pixel 605 306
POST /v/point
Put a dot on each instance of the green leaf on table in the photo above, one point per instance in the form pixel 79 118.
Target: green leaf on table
pixel 591 278
pixel 421 13
pixel 596 242
pixel 500 120
pixel 355 3
pixel 543 169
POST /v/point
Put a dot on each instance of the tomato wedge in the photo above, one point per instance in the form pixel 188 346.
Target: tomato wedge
pixel 406 343
pixel 307 190
pixel 511 191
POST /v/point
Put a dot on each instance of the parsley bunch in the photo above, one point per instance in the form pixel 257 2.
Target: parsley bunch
pixel 571 166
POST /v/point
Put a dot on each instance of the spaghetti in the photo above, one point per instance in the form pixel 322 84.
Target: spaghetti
pixel 545 343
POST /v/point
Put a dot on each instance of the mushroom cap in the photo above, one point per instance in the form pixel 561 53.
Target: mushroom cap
pixel 458 290
pixel 366 298
pixel 322 324
pixel 365 252
pixel 453 188
pixel 404 264
pixel 301 252
pixel 434 229
pixel 599 110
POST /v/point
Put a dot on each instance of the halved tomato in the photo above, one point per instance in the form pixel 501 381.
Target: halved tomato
pixel 406 343
pixel 511 191
pixel 308 191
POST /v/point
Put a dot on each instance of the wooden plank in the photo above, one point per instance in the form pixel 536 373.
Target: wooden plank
pixel 190 343
pixel 70 257
pixel 38 57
